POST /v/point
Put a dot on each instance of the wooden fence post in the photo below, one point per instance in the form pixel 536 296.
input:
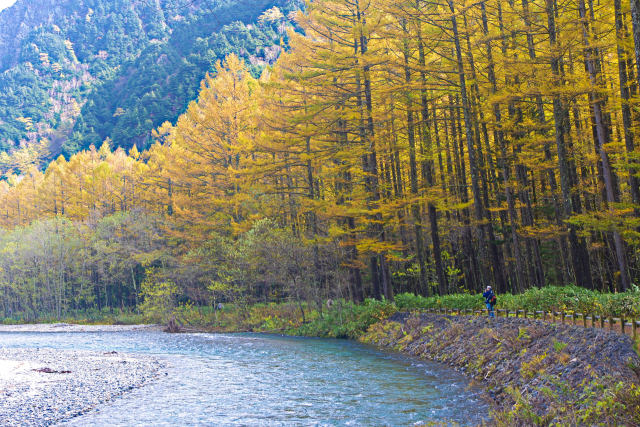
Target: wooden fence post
pixel 585 320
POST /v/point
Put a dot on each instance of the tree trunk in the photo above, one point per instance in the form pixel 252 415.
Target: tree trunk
pixel 479 208
pixel 579 255
pixel 600 144
pixel 425 289
pixel 634 183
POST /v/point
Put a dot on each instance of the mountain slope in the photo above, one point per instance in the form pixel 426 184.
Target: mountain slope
pixel 77 72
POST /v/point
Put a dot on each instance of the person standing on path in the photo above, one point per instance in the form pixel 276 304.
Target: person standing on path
pixel 490 299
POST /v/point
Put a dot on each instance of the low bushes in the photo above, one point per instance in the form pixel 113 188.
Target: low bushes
pixel 550 298
pixel 342 320
pixel 346 320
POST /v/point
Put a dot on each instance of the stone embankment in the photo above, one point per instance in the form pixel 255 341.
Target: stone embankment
pixel 521 361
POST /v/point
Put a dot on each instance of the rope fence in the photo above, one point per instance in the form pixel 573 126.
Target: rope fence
pixel 618 324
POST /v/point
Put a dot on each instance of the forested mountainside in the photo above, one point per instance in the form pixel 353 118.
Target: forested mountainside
pixel 78 72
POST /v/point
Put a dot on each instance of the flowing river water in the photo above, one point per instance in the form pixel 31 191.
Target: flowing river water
pixel 255 379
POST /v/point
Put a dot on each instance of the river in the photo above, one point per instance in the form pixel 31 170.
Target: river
pixel 256 379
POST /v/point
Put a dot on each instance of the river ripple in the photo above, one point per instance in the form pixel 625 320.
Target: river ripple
pixel 255 379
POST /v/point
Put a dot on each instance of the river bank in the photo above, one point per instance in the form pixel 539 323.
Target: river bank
pixel 536 372
pixel 40 387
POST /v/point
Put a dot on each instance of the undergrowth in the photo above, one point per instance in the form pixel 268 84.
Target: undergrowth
pixel 550 298
pixel 348 320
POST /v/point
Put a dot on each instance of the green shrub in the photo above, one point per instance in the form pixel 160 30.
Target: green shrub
pixel 346 319
pixel 571 299
pixel 409 301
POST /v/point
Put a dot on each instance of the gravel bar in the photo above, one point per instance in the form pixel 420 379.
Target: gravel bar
pixel 41 387
pixel 68 327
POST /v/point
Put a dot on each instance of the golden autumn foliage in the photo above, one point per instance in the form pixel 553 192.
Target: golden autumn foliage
pixel 440 145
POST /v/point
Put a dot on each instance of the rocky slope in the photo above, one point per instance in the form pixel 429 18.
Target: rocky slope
pixel 537 372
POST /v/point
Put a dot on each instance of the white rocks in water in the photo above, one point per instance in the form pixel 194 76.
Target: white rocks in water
pixel 40 387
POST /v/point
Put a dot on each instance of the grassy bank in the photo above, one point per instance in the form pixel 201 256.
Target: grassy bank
pixel 347 320
pixel 568 299
pixel 344 319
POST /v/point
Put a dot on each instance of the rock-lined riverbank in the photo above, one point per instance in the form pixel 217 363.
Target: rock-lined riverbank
pixel 541 367
pixel 40 387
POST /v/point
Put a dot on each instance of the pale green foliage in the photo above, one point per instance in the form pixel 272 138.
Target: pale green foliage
pixel 159 303
pixel 54 267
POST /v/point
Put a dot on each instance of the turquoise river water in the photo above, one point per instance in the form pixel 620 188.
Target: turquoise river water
pixel 255 379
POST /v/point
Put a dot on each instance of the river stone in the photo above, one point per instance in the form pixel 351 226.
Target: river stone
pixel 517 352
pixel 41 387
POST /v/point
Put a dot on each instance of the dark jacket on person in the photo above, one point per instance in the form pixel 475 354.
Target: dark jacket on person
pixel 487 296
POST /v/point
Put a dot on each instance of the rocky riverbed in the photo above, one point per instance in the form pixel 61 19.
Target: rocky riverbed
pixel 40 387
pixel 68 327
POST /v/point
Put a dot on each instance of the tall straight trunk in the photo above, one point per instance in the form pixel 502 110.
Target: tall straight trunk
pixel 436 133
pixel 518 280
pixel 625 96
pixel 169 198
pixel 601 142
pixel 486 228
pixel 503 162
pixel 291 202
pixel 443 283
pixel 497 260
pixel 355 275
pixel 579 256
pixel 313 219
pixel 394 160
pixel 379 268
pixel 471 275
pixel 537 271
pixel 413 170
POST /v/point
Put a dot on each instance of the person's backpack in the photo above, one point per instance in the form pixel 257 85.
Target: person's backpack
pixel 493 300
